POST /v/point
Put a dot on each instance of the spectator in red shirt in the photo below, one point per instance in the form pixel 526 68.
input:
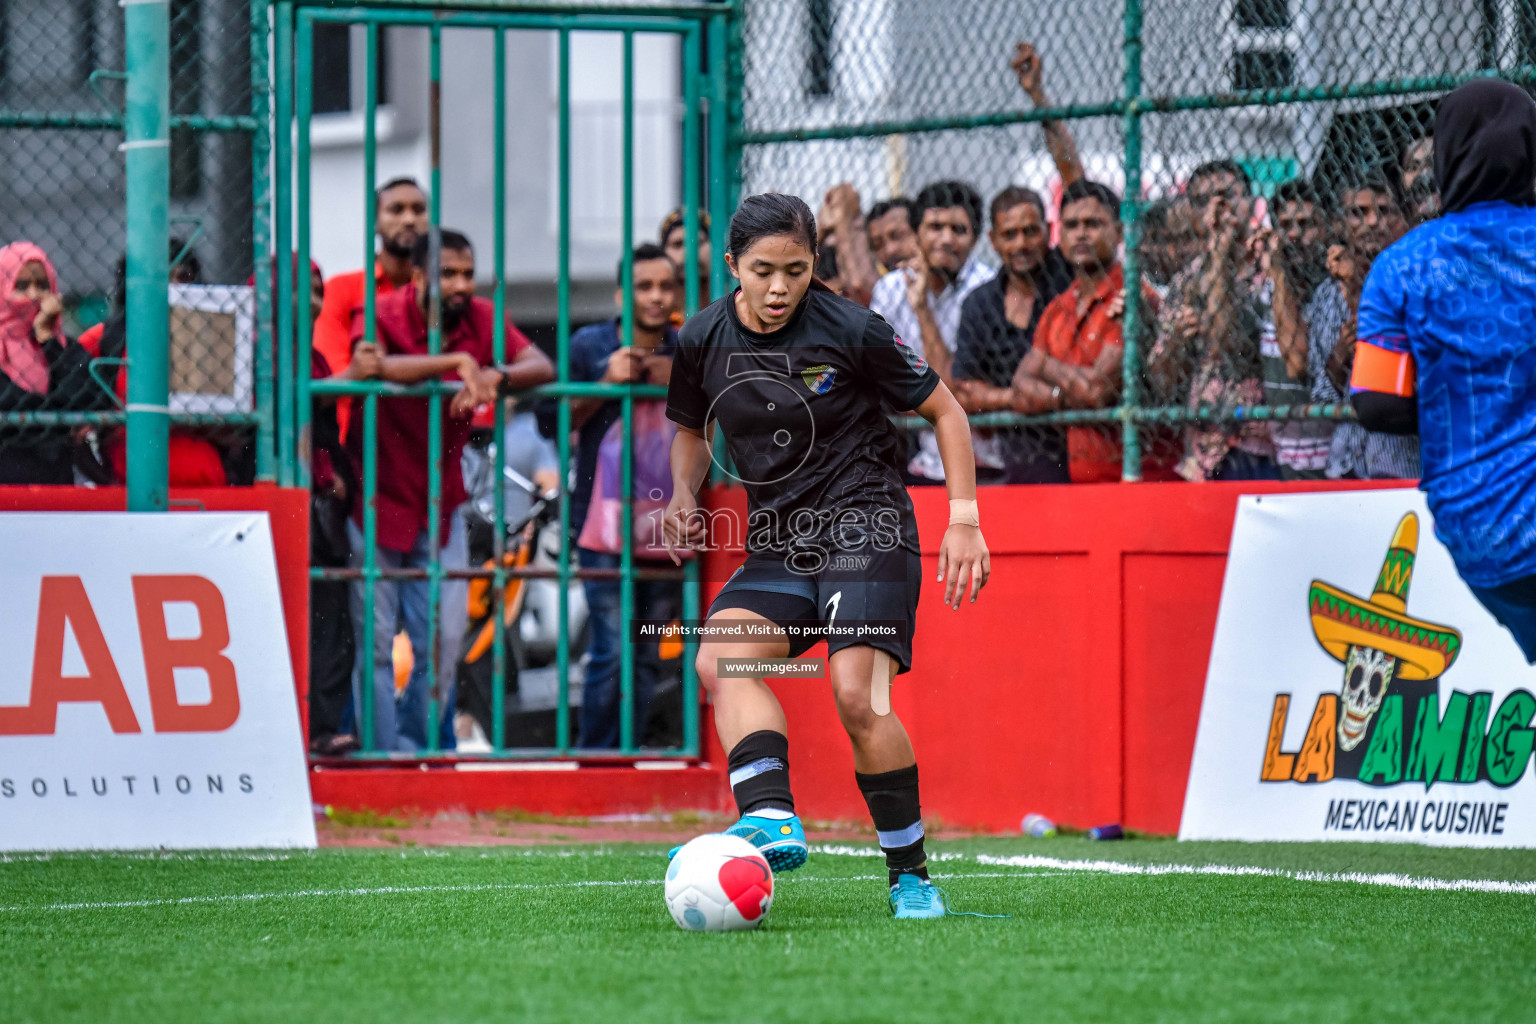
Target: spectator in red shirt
pixel 1075 361
pixel 400 329
pixel 400 218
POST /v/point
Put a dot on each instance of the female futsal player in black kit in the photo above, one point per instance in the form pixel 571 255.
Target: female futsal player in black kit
pixel 802 383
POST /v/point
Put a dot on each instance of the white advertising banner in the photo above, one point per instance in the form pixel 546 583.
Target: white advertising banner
pixel 1357 689
pixel 146 693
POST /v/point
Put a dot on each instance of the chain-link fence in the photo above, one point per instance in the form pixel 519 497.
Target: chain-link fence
pixel 66 354
pixel 1267 150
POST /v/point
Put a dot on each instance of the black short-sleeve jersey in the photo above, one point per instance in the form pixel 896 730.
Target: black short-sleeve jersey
pixel 804 409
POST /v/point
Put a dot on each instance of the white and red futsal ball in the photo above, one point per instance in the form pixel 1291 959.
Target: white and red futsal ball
pixel 719 883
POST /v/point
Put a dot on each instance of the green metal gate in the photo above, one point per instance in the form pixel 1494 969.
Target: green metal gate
pixel 707 173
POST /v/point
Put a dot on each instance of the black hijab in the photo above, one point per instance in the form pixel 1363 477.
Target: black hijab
pixel 1485 145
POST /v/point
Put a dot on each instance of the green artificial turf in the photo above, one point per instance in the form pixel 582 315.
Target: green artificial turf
pixel 505 934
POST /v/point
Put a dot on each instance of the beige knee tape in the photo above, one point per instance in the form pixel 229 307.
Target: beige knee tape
pixel 880 683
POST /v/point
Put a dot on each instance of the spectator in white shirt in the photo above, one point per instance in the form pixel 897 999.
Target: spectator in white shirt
pixel 922 301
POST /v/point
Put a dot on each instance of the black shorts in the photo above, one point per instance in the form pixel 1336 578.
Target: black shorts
pixel 867 596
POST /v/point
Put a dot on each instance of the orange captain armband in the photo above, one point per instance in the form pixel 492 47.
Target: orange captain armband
pixel 1383 371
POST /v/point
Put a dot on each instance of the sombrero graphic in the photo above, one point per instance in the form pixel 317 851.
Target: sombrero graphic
pixel 1341 620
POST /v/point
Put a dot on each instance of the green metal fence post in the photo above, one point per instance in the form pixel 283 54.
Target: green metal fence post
pixel 261 189
pixel 627 473
pixel 298 381
pixel 563 370
pixel 1130 213
pixel 366 696
pixel 370 407
pixel 729 58
pixel 693 73
pixel 282 334
pixel 147 150
pixel 435 400
pixel 499 348
pixel 724 184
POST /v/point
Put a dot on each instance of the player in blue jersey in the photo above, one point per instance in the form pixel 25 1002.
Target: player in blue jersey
pixel 1447 347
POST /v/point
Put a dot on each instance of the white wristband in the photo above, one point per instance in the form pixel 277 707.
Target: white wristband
pixel 963 512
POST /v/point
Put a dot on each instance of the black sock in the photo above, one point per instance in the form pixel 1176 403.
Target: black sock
pixel 893 803
pixel 759 767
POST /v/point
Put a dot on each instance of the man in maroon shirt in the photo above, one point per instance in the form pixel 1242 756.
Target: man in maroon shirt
pixel 404 537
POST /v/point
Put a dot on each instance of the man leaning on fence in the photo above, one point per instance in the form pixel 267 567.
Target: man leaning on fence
pixel 401 501
pixel 1080 343
pixel 598 354
pixel 400 218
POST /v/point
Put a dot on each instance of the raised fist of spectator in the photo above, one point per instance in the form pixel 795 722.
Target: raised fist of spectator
pixel 1027 65
pixel 840 207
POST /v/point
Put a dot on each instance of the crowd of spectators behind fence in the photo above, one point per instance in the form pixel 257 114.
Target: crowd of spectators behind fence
pixel 1237 309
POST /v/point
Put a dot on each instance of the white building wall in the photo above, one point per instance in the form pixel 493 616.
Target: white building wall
pixel 338 193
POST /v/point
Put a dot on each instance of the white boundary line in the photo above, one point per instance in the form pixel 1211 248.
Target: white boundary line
pixel 1049 867
pixel 392 890
pixel 1394 881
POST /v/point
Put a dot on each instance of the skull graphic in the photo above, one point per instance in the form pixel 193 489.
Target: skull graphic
pixel 1367 674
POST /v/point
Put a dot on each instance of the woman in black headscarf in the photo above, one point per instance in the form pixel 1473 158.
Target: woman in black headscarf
pixel 1447 347
pixel 1485 146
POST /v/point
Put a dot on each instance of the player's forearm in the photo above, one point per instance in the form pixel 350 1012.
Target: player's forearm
pixel 952 431
pixel 690 460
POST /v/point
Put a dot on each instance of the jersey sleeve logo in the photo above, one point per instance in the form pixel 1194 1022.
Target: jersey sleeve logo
pixel 819 378
pixel 913 357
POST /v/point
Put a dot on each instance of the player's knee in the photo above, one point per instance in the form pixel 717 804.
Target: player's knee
pixel 707 664
pixel 853 707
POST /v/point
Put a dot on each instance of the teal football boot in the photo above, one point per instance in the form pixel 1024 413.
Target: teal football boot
pixel 781 841
pixel 913 897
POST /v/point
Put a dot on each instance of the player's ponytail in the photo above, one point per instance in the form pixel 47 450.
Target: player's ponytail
pixel 766 215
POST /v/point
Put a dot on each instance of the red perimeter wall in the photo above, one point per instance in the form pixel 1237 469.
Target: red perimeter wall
pixel 1072 687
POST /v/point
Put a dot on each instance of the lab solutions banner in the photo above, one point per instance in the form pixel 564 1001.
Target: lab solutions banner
pixel 146 693
pixel 1357 690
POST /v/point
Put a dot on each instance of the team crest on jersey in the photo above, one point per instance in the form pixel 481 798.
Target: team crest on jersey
pixel 819 378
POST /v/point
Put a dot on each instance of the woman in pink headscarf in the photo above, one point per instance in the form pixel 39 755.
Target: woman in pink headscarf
pixel 40 368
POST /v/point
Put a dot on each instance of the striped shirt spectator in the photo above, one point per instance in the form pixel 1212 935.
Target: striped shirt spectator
pixel 1354 452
